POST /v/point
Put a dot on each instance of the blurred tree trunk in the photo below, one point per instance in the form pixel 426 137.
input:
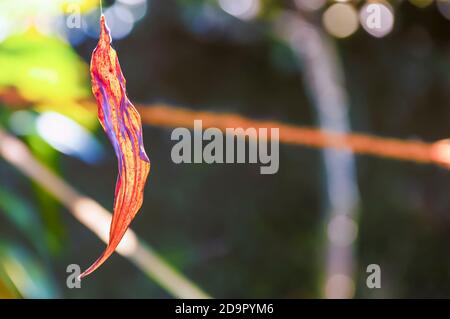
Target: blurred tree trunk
pixel 324 81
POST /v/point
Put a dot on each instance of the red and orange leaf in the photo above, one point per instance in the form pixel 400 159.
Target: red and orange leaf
pixel 122 124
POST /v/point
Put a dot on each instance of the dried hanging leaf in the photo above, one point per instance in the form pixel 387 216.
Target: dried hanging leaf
pixel 122 124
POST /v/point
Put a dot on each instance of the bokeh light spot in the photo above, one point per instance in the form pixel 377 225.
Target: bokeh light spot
pixel 377 18
pixel 242 9
pixel 341 20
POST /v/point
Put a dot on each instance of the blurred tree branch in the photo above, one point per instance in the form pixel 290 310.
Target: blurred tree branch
pixel 164 115
pixel 97 219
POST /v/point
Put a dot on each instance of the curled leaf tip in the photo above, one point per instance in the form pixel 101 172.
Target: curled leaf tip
pixel 122 124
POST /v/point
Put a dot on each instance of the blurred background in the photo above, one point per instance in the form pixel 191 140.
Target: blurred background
pixel 309 231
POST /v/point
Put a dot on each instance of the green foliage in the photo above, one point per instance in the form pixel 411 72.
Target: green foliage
pixel 28 59
pixel 28 275
pixel 46 72
pixel 23 216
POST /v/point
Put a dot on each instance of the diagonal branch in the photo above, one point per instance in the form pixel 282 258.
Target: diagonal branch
pixel 97 219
